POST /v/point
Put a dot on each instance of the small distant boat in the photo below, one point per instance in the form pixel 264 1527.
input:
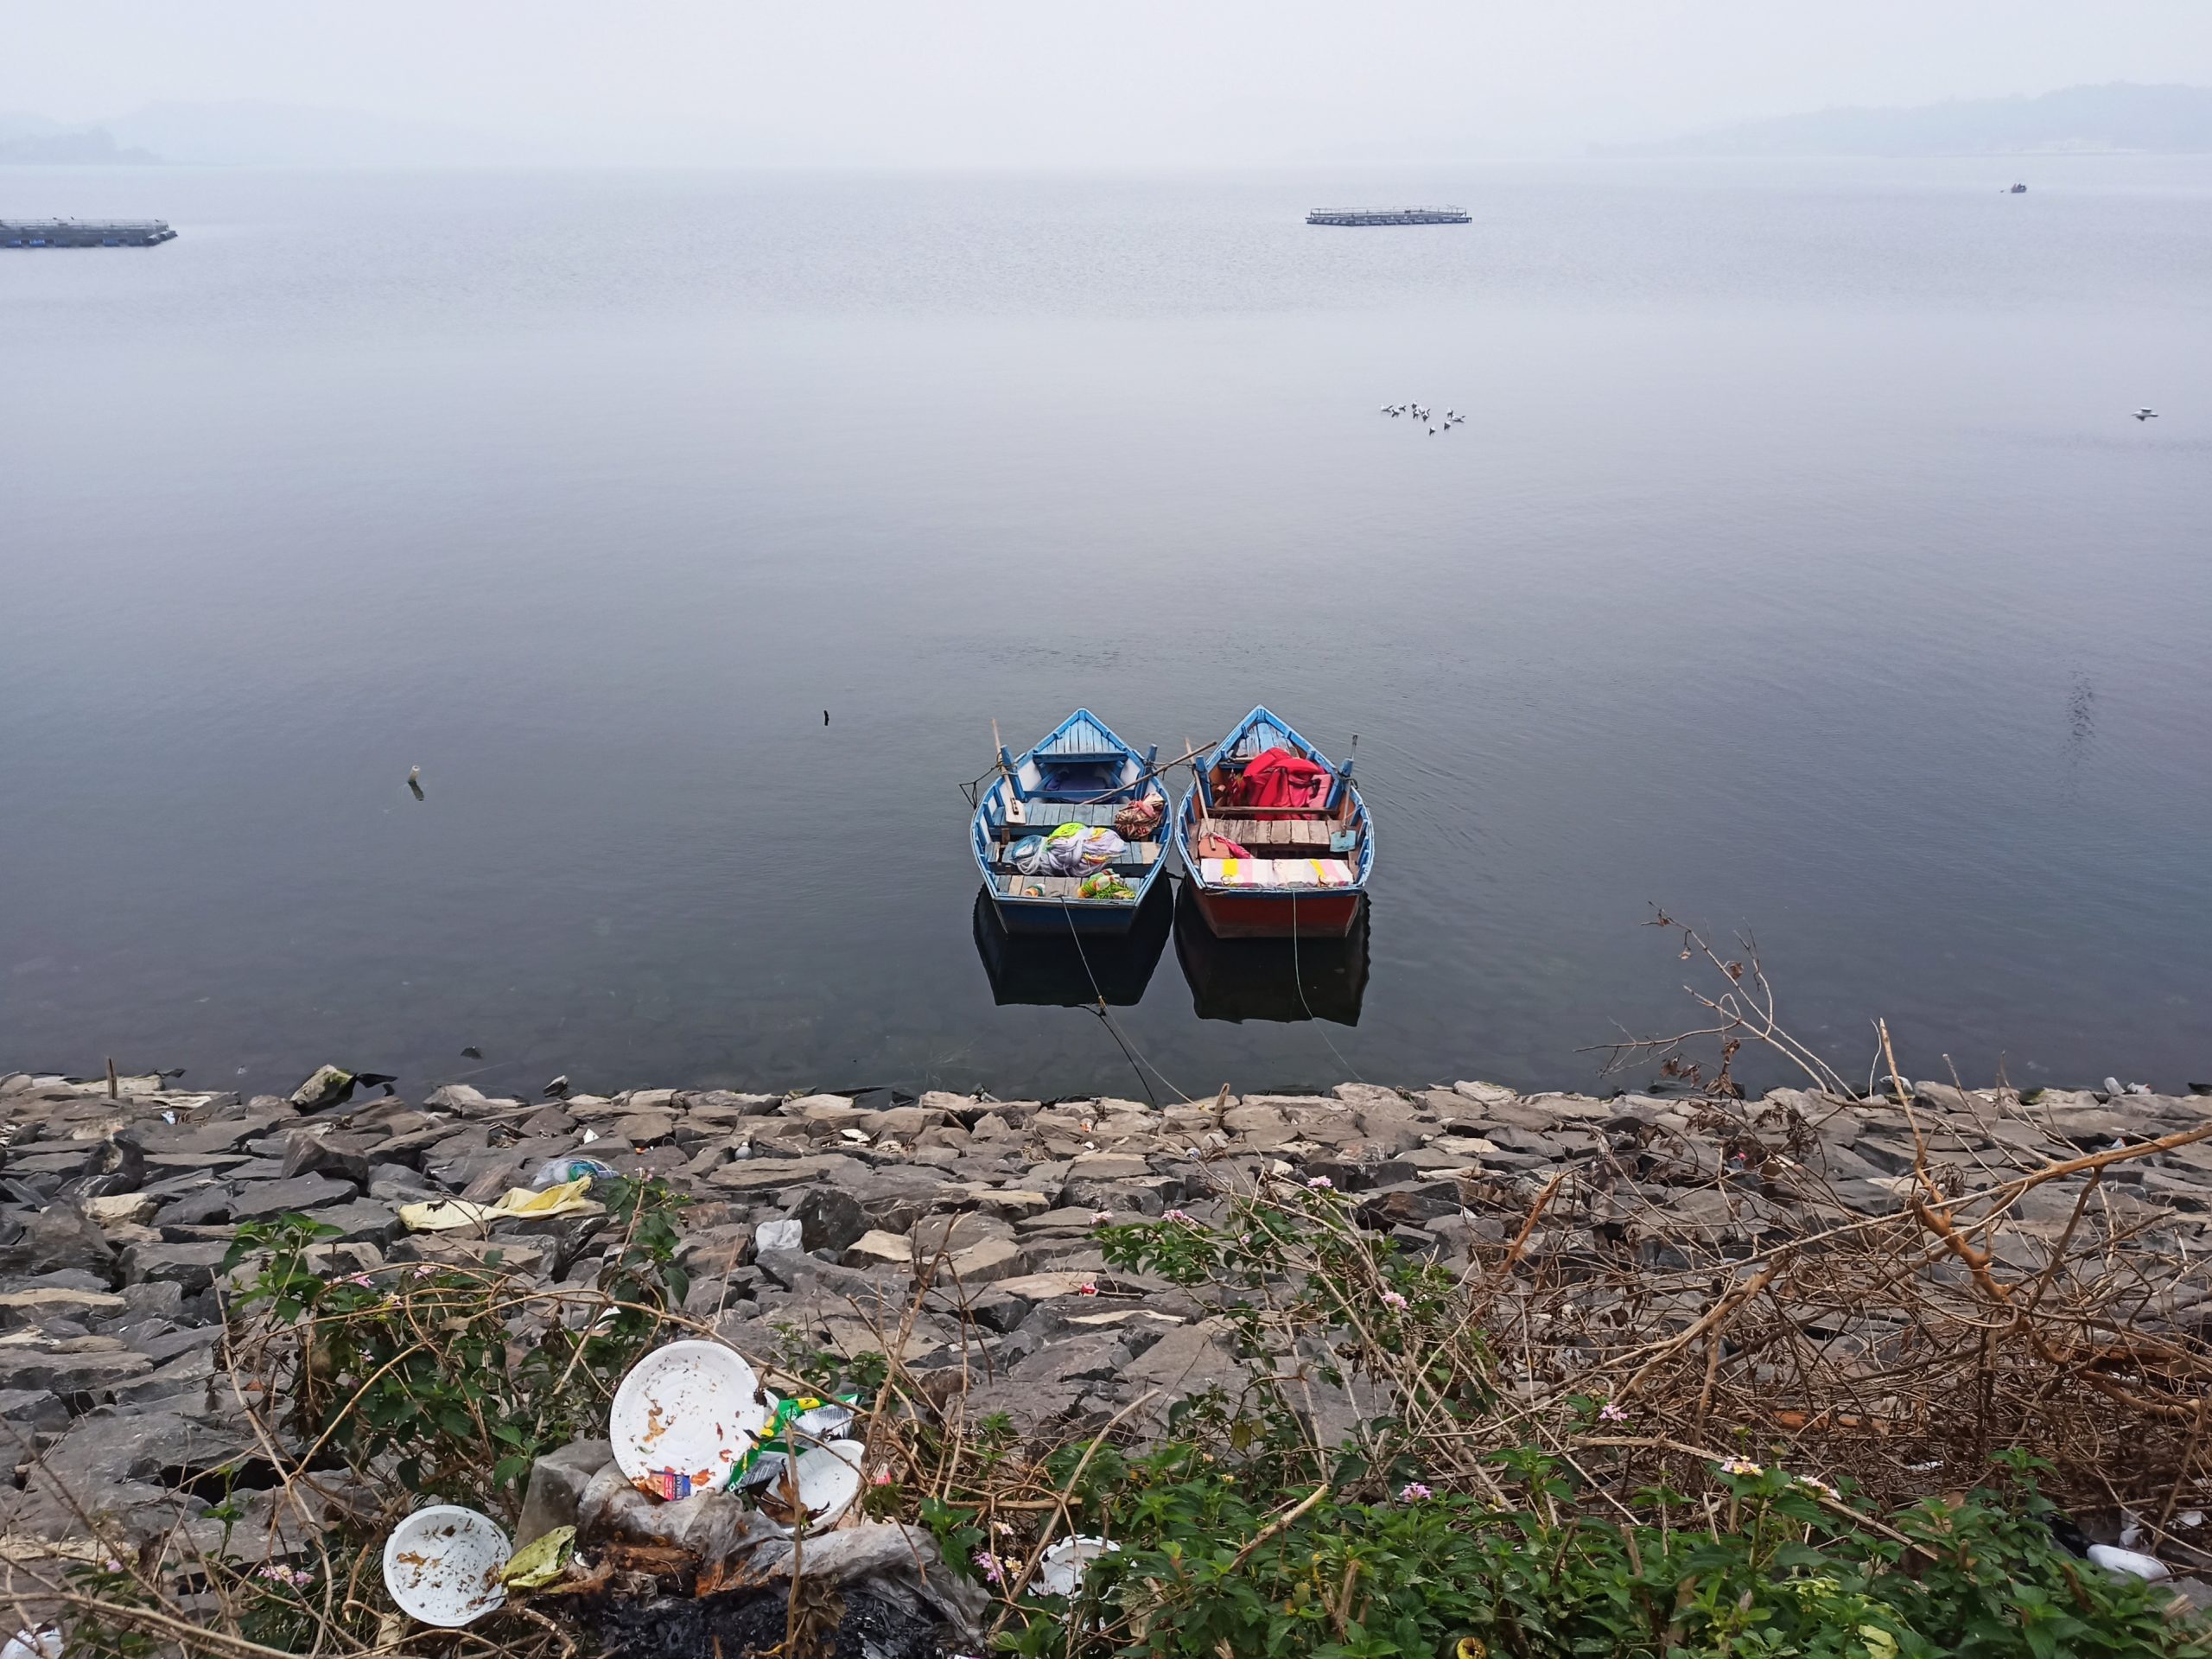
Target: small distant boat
pixel 2018 190
pixel 1388 216
pixel 1080 779
pixel 1276 841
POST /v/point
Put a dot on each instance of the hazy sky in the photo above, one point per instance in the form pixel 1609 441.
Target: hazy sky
pixel 1035 82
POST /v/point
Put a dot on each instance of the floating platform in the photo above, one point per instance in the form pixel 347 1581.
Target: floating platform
pixel 84 232
pixel 1387 216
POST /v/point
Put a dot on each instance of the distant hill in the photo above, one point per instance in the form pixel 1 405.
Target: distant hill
pixel 31 141
pixel 248 134
pixel 252 133
pixel 2077 119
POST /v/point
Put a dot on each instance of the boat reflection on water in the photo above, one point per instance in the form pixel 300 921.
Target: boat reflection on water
pixel 1050 970
pixel 1271 979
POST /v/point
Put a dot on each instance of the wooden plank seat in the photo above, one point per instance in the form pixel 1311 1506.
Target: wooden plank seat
pixel 1288 835
pixel 1042 817
pixel 1050 886
pixel 1135 855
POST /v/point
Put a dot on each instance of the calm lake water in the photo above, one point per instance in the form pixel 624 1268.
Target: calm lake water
pixel 1798 568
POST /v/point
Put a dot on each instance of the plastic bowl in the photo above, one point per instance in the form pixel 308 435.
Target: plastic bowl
pixel 442 1565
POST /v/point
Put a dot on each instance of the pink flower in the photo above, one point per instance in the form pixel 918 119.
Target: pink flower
pixel 1609 1412
pixel 993 1569
pixel 1394 1302
pixel 424 1271
pixel 1321 1183
pixel 1176 1215
pixel 1413 1492
pixel 1100 1217
pixel 883 1478
pixel 1741 1466
pixel 361 1279
pixel 1086 1290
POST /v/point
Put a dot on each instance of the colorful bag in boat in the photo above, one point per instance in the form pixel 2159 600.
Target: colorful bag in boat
pixel 1105 883
pixel 1027 855
pixel 1074 848
pixel 1140 820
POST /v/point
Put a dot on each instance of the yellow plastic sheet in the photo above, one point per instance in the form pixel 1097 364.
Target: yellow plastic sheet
pixel 519 1201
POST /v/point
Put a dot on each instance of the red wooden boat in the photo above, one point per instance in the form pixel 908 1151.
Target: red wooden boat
pixel 1276 841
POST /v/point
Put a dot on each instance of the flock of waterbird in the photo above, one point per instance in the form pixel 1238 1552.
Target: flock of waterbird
pixel 1452 418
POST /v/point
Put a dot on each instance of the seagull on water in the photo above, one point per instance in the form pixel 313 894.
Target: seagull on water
pixel 2146 414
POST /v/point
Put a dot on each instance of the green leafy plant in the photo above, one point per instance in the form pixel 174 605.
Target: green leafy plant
pixel 463 1376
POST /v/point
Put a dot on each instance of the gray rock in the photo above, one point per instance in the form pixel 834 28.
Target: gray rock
pixel 328 1086
pixel 164 1300
pixel 1187 1360
pixel 189 1266
pixel 201 1208
pixel 1411 1202
pixel 557 1481
pixel 25 1409
pixel 265 1200
pixel 344 1156
pixel 829 1219
pixel 998 1309
pixel 398 1184
pixel 958 1232
pixel 56 1239
pixel 458 1097
pixel 77 1365
pixel 1079 1359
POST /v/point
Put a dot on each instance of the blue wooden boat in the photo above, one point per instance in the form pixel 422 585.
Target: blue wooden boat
pixel 1303 867
pixel 1079 774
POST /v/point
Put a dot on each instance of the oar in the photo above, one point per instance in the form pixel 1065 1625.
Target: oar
pixel 1147 776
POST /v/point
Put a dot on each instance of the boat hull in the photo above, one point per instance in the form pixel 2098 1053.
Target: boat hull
pixel 1275 980
pixel 1278 915
pixel 1088 918
pixel 1068 970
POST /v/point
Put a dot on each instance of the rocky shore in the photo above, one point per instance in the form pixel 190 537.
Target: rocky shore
pixel 813 1215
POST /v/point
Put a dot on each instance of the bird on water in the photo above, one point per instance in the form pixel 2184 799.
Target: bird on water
pixel 2146 414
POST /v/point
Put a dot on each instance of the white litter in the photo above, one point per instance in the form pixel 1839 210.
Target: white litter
pixel 1060 1572
pixel 2126 1563
pixel 685 1417
pixel 442 1565
pixel 778 1236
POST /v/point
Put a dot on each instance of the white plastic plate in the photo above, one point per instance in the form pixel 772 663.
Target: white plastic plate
pixel 1061 1571
pixel 442 1565
pixel 684 1417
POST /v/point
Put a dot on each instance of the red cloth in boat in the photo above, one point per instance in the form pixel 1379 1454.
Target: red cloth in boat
pixel 1282 779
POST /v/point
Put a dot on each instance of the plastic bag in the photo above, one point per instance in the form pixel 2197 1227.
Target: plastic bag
pixel 1074 848
pixel 1139 819
pixel 1027 855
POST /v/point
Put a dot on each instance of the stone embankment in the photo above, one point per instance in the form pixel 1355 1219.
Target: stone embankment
pixel 812 1218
